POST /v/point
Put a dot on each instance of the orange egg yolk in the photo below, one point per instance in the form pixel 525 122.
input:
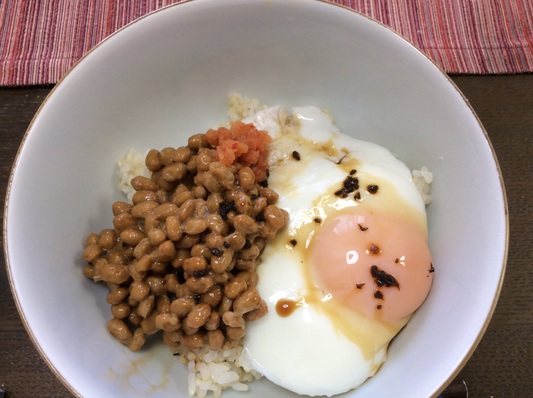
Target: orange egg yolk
pixel 378 265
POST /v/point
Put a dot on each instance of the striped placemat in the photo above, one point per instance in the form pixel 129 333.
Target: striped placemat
pixel 41 40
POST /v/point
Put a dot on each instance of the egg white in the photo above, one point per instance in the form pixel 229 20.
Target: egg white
pixel 305 352
pixel 302 352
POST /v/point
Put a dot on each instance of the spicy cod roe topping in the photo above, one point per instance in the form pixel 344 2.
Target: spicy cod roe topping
pixel 242 143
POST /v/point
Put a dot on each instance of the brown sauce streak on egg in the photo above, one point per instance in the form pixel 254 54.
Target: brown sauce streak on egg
pixel 342 158
pixel 362 228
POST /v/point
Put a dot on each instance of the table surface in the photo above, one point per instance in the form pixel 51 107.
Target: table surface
pixel 501 366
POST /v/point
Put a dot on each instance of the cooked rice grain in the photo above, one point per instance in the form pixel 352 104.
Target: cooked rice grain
pixel 240 107
pixel 215 371
pixel 130 166
pixel 422 179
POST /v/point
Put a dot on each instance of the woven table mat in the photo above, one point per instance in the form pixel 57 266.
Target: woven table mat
pixel 41 40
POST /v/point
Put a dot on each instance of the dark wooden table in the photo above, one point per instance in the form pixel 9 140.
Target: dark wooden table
pixel 502 365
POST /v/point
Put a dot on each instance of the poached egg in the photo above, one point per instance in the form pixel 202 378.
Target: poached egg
pixel 351 267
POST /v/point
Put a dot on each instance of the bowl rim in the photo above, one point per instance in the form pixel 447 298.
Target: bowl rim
pixel 459 366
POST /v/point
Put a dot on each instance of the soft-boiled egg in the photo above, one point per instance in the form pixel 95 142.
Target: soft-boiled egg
pixel 353 264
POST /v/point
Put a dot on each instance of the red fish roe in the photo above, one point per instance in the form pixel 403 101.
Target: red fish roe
pixel 242 143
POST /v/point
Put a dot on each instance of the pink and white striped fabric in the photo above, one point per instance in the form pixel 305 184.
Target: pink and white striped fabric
pixel 41 40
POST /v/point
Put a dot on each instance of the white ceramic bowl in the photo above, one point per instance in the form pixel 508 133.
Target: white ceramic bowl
pixel 167 76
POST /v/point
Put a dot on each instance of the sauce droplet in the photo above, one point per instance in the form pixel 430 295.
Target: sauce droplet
pixel 285 307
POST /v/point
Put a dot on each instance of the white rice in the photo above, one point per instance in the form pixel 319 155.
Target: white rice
pixel 130 166
pixel 423 179
pixel 240 107
pixel 215 371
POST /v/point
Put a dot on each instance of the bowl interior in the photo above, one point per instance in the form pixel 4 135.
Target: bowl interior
pixel 166 77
